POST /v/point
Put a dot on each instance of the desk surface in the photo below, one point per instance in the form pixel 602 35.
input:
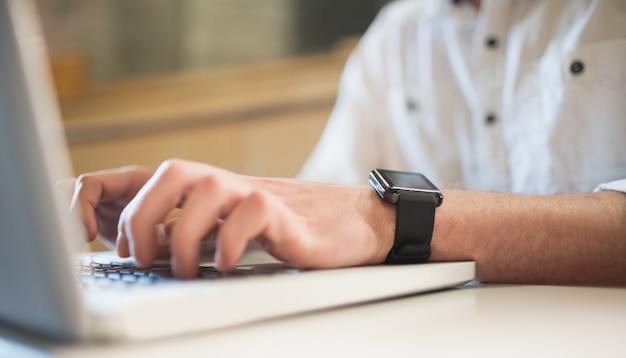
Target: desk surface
pixel 475 320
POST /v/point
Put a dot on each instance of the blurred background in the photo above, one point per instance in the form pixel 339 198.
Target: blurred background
pixel 242 84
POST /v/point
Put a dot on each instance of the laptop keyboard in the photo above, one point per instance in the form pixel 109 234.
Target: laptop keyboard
pixel 99 272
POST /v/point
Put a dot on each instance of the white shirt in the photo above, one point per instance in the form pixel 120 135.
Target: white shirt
pixel 519 96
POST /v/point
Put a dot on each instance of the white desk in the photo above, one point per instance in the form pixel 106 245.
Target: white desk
pixel 483 320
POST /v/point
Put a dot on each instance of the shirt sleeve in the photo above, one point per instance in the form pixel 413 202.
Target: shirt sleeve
pixel 617 185
pixel 346 151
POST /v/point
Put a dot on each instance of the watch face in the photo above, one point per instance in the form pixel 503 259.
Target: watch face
pixel 408 180
pixel 389 184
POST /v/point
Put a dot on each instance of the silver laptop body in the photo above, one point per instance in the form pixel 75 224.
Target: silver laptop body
pixel 39 238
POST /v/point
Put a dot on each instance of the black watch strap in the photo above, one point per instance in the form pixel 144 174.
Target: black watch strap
pixel 415 220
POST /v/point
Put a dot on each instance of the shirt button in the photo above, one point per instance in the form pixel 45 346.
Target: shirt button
pixel 490 119
pixel 492 42
pixel 577 67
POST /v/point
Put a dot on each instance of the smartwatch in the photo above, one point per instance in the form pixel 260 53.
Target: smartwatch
pixel 416 198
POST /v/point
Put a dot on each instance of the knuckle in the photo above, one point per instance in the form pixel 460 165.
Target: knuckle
pixel 84 180
pixel 170 167
pixel 211 183
pixel 260 200
pixel 136 168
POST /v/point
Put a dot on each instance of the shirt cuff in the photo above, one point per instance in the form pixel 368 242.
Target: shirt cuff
pixel 618 185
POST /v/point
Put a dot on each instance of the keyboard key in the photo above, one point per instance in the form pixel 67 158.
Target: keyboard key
pixel 101 273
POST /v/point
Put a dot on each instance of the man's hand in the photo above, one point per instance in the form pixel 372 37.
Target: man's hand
pixel 303 224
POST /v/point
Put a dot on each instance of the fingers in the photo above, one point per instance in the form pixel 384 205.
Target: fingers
pixel 91 190
pixel 210 198
pixel 175 182
pixel 139 219
pixel 173 209
pixel 164 234
pixel 266 218
pixel 208 195
pixel 255 212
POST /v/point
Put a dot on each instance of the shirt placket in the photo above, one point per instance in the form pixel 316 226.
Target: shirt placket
pixel 487 65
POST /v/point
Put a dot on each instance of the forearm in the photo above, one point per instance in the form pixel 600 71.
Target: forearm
pixel 563 239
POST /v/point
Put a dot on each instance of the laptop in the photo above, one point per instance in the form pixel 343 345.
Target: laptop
pixel 42 286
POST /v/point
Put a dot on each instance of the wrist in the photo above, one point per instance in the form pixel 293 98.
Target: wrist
pixel 451 240
pixel 382 216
